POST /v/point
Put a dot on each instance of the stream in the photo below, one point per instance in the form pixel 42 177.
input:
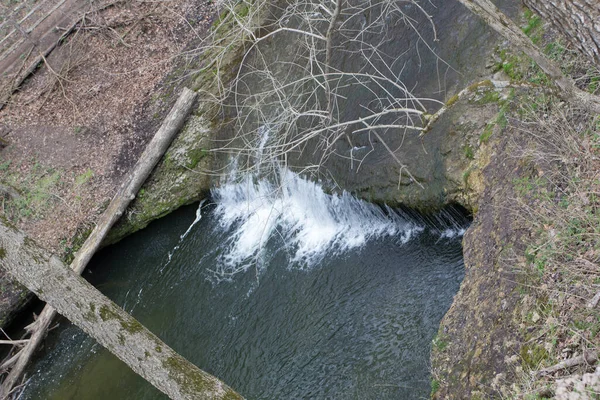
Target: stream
pixel 284 293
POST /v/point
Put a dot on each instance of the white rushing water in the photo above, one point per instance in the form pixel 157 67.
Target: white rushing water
pixel 310 222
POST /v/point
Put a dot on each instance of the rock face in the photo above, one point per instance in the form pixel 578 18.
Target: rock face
pixel 479 334
pixel 437 161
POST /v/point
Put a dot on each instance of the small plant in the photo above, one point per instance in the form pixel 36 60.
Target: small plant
pixel 439 343
pixel 487 133
pixel 469 153
pixel 435 386
pixel 554 50
pixel 84 178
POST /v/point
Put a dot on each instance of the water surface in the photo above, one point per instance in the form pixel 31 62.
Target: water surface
pixel 353 319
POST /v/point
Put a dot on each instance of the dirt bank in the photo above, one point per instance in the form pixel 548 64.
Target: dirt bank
pixel 75 128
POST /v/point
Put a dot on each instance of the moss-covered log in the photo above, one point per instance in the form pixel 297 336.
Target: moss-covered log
pixel 76 299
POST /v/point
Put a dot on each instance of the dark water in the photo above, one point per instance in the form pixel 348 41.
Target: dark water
pixel 357 326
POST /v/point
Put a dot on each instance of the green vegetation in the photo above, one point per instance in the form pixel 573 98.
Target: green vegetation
pixel 195 156
pixel 440 343
pixel 487 133
pixel 533 355
pixel 84 178
pixel 490 96
pixel 533 26
pixel 71 246
pixel 469 153
pixel 435 386
pixel 37 192
pixel 107 313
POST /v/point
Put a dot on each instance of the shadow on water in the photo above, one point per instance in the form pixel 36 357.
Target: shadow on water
pixel 358 325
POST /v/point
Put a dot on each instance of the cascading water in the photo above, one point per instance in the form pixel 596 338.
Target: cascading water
pixel 310 223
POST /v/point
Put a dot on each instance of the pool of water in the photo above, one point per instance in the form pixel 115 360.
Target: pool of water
pixel 353 319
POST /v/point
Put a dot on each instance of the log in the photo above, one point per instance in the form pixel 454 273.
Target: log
pixel 498 21
pixel 578 21
pixel 148 160
pixel 120 333
pixel 589 357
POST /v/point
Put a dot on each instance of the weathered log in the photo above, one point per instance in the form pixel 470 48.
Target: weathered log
pixel 589 357
pixel 148 160
pixel 120 333
pixel 486 10
pixel 578 21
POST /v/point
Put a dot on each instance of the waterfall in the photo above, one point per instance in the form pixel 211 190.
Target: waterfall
pixel 274 203
pixel 309 222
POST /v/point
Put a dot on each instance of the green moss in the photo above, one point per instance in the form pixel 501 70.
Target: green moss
pixel 532 25
pixel 191 380
pixel 487 133
pixel 107 313
pixel 452 100
pixel 91 314
pixel 2 253
pixel 554 50
pixel 84 178
pixel 194 157
pixel 77 241
pixel 132 326
pixel 532 355
pixel 483 84
pixel 440 343
pixel 242 9
pixel 489 96
pixel 158 349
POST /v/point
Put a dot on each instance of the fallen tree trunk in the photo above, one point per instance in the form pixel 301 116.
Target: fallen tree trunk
pixel 589 357
pixel 98 316
pixel 504 26
pixel 578 21
pixel 148 160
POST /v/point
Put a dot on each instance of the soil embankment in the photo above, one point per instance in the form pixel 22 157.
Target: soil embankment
pixel 73 129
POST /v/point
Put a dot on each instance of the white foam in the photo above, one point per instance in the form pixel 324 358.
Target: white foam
pixel 310 222
pixel 452 233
